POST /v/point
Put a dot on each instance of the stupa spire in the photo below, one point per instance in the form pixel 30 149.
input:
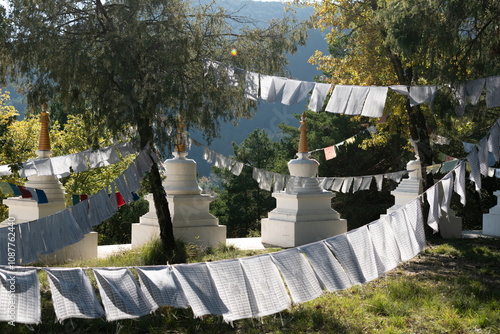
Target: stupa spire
pixel 180 143
pixel 303 147
pixel 44 141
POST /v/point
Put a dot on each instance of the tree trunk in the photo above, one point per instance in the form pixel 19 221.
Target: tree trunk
pixel 162 210
pixel 159 195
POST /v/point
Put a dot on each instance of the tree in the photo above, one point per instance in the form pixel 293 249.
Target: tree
pixel 241 204
pixel 139 62
pixel 413 42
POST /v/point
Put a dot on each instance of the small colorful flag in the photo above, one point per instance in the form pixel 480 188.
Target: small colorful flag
pixel 330 152
pixel 24 192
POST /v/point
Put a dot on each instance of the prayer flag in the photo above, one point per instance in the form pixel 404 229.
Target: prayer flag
pixel 330 152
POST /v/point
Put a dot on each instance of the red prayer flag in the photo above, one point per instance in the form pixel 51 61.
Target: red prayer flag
pixel 330 152
pixel 448 158
pixel 25 193
pixel 83 197
pixel 119 200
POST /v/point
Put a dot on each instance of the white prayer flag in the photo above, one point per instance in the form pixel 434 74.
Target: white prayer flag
pixel 318 96
pixel 384 245
pixel 267 291
pixel 298 274
pixel 121 295
pixel 230 282
pixel 330 273
pixel 20 285
pixel 72 294
pixel 199 289
pixel 375 102
pixel 161 287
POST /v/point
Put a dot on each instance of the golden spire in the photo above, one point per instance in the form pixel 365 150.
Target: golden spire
pixel 44 142
pixel 303 148
pixel 180 143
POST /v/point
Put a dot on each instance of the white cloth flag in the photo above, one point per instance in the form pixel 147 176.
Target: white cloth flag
pixel 298 274
pixel 473 90
pixel 330 273
pixel 78 162
pixel 318 96
pixel 61 165
pixel 133 180
pixel 279 182
pixel 494 141
pixel 400 89
pixel 402 235
pixel 123 189
pixel 20 285
pixel 43 166
pixel 375 102
pixel 272 88
pixel 493 91
pixel 94 158
pixel 421 94
pixel 475 173
pixel 237 168
pixel 120 294
pixel 384 245
pixel 356 100
pixel 483 156
pixel 415 221
pixel 268 294
pixel 337 184
pixel 112 197
pixel 49 238
pixel 366 182
pixel 356 183
pixel 342 249
pixel 447 183
pixel 459 186
pixel 5 170
pixel 125 148
pixel 72 294
pixel 109 155
pixel 338 100
pixel 31 243
pixel 161 287
pixel 199 289
pixel 230 282
pixel 290 92
pixel 433 200
pixel 80 212
pixel 346 186
pixel 379 179
pixel 461 98
pixel 362 246
pixel 252 86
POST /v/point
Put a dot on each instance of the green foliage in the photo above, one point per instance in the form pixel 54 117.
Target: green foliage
pixel 118 229
pixel 240 203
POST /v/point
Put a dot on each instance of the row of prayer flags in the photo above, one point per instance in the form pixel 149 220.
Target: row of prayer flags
pixel 350 99
pixel 62 166
pixel 235 289
pixel 51 233
pixel 25 192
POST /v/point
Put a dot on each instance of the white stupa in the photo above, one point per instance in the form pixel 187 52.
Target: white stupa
pixel 189 208
pixel 304 211
pixel 25 209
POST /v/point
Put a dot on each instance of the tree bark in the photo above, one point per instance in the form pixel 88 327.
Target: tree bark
pixel 162 210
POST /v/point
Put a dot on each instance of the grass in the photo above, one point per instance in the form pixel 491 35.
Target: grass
pixel 451 287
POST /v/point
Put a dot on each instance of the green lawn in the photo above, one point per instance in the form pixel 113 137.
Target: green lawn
pixel 453 286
